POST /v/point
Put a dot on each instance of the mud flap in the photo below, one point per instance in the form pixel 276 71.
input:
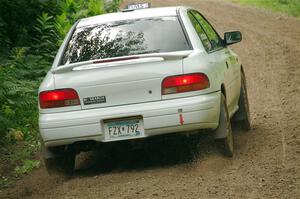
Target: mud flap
pixel 220 132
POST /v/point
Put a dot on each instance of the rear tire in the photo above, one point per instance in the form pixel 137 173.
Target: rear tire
pixel 63 164
pixel 226 143
pixel 243 114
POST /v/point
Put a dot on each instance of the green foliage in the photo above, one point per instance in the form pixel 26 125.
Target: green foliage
pixel 17 160
pixel 18 18
pixel 20 77
pixel 23 152
pixel 30 34
pixel 5 182
pixel 291 7
pixel 71 11
pixel 27 166
pixel 5 42
pixel 44 42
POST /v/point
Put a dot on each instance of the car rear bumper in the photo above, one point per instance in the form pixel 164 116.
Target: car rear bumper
pixel 161 117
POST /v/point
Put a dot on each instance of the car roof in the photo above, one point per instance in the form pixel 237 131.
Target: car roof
pixel 127 15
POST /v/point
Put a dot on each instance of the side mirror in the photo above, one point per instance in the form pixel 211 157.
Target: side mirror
pixel 232 37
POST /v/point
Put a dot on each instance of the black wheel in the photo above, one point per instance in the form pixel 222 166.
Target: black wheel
pixel 243 114
pixel 64 163
pixel 225 143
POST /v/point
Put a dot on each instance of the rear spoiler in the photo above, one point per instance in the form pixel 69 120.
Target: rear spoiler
pixel 117 61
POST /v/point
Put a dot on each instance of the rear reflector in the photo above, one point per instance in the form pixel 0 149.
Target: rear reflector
pixel 59 98
pixel 184 83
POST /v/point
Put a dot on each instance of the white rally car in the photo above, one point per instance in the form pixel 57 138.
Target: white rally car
pixel 136 74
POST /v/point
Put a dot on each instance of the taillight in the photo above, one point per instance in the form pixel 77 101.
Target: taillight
pixel 59 98
pixel 184 83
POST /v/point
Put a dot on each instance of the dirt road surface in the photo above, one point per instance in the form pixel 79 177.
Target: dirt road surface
pixel 266 163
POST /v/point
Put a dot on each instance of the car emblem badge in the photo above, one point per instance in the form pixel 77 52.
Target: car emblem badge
pixel 94 100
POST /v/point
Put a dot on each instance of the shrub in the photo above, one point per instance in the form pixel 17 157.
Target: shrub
pixel 26 54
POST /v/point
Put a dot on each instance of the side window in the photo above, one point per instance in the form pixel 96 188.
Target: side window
pixel 203 37
pixel 214 38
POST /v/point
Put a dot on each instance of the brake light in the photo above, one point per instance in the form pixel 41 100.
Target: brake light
pixel 184 83
pixel 59 98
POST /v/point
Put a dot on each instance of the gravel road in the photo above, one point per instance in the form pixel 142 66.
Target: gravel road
pixel 266 163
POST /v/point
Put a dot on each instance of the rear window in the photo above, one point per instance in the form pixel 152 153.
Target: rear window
pixel 123 38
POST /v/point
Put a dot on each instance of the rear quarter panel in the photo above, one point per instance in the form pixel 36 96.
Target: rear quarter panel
pixel 200 60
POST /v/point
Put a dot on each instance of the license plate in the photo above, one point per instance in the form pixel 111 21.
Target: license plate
pixel 123 129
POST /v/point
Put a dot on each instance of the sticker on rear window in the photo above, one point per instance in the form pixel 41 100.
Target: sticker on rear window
pixel 94 100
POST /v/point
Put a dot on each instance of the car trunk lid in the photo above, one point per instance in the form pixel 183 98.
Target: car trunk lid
pixel 119 81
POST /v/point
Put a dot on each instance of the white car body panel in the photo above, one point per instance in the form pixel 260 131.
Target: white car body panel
pixel 121 84
pixel 133 88
pixel 136 14
pixel 160 117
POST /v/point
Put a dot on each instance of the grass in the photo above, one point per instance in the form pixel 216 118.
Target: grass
pixel 17 160
pixel 290 7
pixel 5 182
pixel 26 167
